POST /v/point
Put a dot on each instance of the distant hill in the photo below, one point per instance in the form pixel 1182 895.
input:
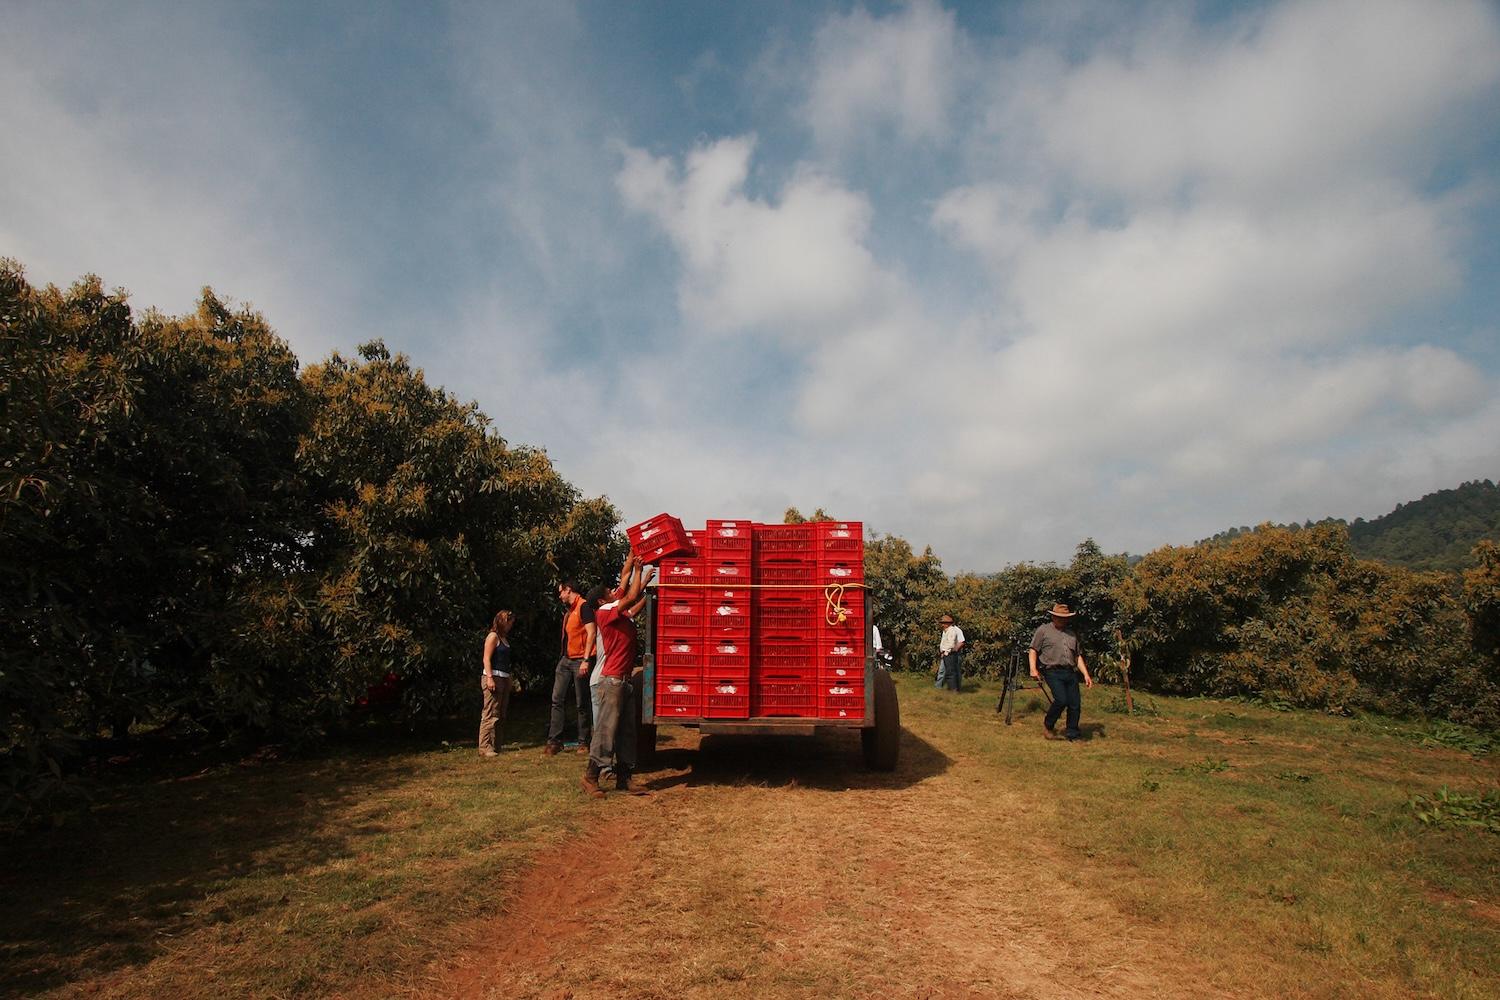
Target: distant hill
pixel 1435 532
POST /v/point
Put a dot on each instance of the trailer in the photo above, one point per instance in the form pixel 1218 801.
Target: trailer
pixel 879 723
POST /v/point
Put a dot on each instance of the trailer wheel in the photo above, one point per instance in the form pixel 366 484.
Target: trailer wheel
pixel 882 741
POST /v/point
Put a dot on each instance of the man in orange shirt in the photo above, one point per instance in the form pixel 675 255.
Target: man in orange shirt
pixel 572 672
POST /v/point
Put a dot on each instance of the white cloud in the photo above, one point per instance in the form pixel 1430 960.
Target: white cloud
pixel 1175 276
pixel 795 268
pixel 162 161
pixel 1291 98
pixel 897 72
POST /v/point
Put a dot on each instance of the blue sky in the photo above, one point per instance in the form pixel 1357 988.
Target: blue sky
pixel 992 277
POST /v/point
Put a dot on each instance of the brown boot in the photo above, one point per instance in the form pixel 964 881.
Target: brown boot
pixel 591 781
pixel 1050 733
pixel 623 786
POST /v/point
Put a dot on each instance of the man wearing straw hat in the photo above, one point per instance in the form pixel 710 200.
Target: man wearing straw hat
pixel 950 649
pixel 1055 649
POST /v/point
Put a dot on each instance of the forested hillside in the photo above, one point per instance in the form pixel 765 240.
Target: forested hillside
pixel 1437 532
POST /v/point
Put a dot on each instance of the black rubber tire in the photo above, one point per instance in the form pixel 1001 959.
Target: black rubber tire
pixel 882 741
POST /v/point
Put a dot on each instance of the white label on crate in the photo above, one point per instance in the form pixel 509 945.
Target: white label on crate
pixel 840 571
pixel 841 690
pixel 683 571
pixel 841 533
pixel 648 532
pixel 727 609
pixel 729 571
pixel 841 651
pixel 681 648
pixel 727 689
pixel 842 672
pixel 726 647
pixel 843 713
pixel 678 688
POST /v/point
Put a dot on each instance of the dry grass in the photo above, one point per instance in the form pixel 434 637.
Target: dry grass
pixel 1215 849
pixel 335 876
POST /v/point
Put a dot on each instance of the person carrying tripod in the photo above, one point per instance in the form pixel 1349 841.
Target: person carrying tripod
pixel 1055 650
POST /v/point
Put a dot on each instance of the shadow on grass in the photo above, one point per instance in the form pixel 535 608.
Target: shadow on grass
pixel 116 887
pixel 830 760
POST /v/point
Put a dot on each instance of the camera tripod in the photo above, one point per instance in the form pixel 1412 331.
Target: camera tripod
pixel 1016 670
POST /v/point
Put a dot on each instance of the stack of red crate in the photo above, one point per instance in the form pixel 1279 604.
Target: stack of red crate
pixel 726 617
pixel 787 602
pixel 680 632
pixel 841 621
pixel 763 620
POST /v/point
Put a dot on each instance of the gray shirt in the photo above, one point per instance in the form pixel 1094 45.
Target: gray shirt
pixel 1055 647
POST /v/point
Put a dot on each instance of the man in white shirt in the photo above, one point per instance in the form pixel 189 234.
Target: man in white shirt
pixel 950 649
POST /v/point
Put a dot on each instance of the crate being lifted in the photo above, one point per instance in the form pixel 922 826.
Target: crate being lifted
pixel 761 629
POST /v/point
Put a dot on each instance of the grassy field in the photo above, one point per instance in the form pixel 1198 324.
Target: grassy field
pixel 1194 848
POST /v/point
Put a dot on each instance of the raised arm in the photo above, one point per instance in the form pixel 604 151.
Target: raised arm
pixel 625 571
pixel 636 591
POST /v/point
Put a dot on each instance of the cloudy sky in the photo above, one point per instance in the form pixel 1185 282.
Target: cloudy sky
pixel 994 277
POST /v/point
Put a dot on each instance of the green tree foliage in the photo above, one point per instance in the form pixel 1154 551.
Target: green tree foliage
pixel 1294 615
pixel 905 590
pixel 147 469
pixel 429 524
pixel 192 532
pixel 997 612
pixel 1480 672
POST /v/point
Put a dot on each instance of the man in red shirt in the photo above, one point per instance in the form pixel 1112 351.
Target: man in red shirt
pixel 615 726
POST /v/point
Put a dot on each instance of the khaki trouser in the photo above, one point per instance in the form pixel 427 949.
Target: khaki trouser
pixel 492 715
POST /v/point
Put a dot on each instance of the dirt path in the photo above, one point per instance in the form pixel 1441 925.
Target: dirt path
pixel 779 869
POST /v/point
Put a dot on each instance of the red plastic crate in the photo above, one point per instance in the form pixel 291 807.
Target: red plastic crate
pixel 789 612
pixel 841 571
pixel 771 572
pixel 841 539
pixel 726 697
pixel 729 572
pixel 679 610
pixel 728 655
pixel 682 570
pixel 795 699
pixel 679 652
pixel 841 657
pixel 729 539
pixel 783 675
pixel 849 673
pixel 797 542
pixel 839 700
pixel 725 615
pixel 783 652
pixel 679 697
pixel 659 537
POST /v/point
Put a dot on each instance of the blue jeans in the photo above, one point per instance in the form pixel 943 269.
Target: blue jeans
pixel 1065 695
pixel 567 676
pixel 951 673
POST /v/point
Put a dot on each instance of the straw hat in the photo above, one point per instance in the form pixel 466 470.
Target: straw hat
pixel 1061 611
pixel 946 620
